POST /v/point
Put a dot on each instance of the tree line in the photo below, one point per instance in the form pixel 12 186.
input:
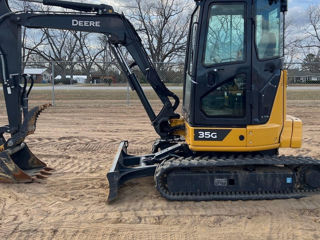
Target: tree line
pixel 163 28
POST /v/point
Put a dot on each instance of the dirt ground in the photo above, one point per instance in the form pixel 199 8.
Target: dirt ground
pixel 79 140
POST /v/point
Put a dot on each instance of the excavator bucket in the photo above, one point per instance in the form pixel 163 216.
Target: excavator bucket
pixel 19 164
pixel 10 172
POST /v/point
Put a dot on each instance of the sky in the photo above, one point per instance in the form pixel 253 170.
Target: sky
pixel 297 10
pixel 297 14
pixel 294 5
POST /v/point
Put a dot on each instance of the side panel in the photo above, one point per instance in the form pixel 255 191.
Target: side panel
pixel 296 137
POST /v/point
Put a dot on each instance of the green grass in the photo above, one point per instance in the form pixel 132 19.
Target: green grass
pixel 93 95
pixel 122 95
pixel 303 95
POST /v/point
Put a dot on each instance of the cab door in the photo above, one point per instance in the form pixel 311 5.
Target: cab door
pixel 266 58
pixel 223 73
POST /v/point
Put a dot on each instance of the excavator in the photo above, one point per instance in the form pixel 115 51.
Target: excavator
pixel 224 145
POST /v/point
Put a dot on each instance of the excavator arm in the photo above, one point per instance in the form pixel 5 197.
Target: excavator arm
pixel 93 18
pixel 15 157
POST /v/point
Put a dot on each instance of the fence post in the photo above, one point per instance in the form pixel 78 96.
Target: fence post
pixel 128 94
pixel 52 81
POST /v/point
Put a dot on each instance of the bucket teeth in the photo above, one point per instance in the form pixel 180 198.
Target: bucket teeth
pixel 40 176
pixel 22 167
pixel 48 169
pixel 43 172
pixel 29 124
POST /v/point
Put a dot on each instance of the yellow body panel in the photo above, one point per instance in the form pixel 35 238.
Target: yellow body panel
pixel 178 122
pixel 285 140
pixel 280 131
pixel 231 140
pixel 296 139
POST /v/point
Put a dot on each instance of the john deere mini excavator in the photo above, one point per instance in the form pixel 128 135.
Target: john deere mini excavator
pixel 225 147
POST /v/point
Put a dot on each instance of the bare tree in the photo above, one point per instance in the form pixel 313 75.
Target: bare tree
pixel 312 38
pixel 306 47
pixel 291 44
pixel 88 52
pixel 59 46
pixel 162 26
pixel 31 39
pixel 106 58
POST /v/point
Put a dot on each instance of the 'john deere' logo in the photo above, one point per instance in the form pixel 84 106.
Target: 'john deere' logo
pixel 80 23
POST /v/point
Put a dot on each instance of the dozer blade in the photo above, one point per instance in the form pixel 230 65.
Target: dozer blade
pixel 20 165
pixel 126 167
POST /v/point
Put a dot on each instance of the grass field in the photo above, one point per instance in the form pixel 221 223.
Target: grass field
pixel 122 95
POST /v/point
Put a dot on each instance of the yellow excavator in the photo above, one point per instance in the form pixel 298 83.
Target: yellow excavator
pixel 225 144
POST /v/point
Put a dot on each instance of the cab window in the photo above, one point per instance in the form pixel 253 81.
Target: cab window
pixel 191 57
pixel 268 29
pixel 225 34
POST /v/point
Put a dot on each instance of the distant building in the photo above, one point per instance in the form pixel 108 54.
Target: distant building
pixel 77 78
pixel 296 76
pixel 99 78
pixel 40 75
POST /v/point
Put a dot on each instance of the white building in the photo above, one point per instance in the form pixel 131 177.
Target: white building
pixel 78 78
pixel 39 75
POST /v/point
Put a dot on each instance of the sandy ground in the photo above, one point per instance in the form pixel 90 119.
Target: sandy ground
pixel 79 141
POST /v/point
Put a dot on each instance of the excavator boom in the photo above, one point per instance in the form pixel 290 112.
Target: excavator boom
pixel 93 18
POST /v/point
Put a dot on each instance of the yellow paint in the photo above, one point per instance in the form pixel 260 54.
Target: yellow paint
pixel 231 140
pixel 178 122
pixel 296 139
pixel 280 131
pixel 233 149
pixel 1 148
pixel 285 140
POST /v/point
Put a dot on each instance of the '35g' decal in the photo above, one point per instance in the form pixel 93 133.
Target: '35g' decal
pixel 210 134
pixel 207 135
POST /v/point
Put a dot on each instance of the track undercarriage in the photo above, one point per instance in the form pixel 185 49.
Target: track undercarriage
pixel 182 175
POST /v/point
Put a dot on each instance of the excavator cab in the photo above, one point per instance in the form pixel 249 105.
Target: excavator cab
pixel 234 50
pixel 233 72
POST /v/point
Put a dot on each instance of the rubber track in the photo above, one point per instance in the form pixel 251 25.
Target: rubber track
pixel 230 161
